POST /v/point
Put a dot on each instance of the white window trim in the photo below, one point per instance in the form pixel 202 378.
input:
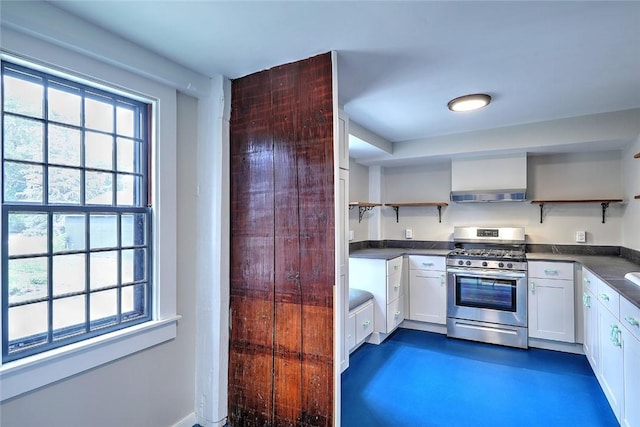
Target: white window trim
pixel 27 374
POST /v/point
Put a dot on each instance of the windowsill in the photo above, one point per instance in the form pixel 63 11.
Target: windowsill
pixel 30 373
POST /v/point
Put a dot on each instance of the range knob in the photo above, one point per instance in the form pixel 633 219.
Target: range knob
pixel 509 265
pixel 484 263
pixel 468 262
pixel 501 264
pixel 460 262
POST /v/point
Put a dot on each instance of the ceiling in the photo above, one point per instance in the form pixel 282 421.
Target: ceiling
pixel 399 63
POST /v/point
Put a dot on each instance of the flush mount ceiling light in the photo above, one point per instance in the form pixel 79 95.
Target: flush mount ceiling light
pixel 469 102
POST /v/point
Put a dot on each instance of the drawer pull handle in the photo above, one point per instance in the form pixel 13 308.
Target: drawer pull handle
pixel 427 264
pixel 533 287
pixel 396 314
pixel 397 286
pixel 604 297
pixel 395 267
pixel 551 272
pixel 365 324
pixel 633 322
pixel 587 281
pixel 586 300
pixel 442 279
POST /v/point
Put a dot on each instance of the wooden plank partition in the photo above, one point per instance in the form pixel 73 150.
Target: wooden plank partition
pixel 282 246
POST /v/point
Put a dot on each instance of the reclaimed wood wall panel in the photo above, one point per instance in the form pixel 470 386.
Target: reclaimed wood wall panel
pixel 282 247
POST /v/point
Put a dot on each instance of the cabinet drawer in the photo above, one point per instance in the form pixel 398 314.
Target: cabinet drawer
pixel 609 298
pixel 395 314
pixel 394 266
pixel 364 322
pixel 394 286
pixel 421 262
pixel 630 317
pixel 590 281
pixel 551 270
pixel 351 331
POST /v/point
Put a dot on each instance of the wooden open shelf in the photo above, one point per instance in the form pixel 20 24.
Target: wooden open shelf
pixel 363 207
pixel 603 202
pixel 396 207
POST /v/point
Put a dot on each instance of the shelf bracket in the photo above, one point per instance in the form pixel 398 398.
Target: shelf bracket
pixel 440 213
pixel 604 205
pixel 397 209
pixel 362 210
pixel 541 211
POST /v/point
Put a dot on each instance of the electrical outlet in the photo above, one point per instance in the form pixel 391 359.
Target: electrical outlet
pixel 408 233
pixel 581 236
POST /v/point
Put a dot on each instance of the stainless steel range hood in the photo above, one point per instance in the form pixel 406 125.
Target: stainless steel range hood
pixel 479 196
pixel 501 178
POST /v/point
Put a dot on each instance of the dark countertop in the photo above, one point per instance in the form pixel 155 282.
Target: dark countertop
pixel 611 269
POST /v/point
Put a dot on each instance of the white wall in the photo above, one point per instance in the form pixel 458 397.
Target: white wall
pixel 152 388
pixel 588 175
pixel 358 192
pixel 631 227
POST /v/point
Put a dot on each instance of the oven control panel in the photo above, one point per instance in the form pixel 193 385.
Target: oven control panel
pixel 487 264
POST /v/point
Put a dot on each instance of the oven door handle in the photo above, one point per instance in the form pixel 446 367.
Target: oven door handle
pixel 488 274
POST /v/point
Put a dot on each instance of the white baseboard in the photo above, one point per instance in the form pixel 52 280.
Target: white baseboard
pixel 188 421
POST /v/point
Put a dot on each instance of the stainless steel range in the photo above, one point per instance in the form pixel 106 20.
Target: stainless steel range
pixel 487 286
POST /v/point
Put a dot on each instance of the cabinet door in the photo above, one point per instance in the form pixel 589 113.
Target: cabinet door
pixel 343 140
pixel 611 357
pixel 551 309
pixel 428 296
pixel 631 407
pixel 590 313
pixel 350 332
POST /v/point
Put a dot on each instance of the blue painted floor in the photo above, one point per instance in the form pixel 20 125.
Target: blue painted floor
pixel 420 379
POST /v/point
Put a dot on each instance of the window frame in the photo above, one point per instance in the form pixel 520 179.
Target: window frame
pixel 29 373
pixel 142 287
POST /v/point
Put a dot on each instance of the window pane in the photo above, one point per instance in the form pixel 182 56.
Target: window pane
pixel 134 301
pixel 71 229
pixel 126 190
pixel 98 115
pixel 133 265
pixel 103 269
pixel 22 183
pixel 128 155
pixel 64 106
pixel 23 97
pixel 103 230
pixel 104 308
pixel 64 186
pixel 23 139
pixel 27 233
pixel 133 229
pixel 98 151
pixel 64 146
pixel 125 121
pixel 29 321
pixel 69 316
pixel 98 188
pixel 27 279
pixel 68 274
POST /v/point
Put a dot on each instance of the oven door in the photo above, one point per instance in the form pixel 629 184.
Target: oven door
pixel 487 296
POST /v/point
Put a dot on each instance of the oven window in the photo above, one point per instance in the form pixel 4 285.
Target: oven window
pixel 498 294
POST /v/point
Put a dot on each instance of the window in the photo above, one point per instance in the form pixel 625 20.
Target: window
pixel 76 217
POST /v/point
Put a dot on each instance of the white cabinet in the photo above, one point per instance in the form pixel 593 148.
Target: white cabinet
pixel 427 289
pixel 359 325
pixel 630 319
pixel 611 373
pixel 384 279
pixel 590 316
pixel 343 135
pixel 551 301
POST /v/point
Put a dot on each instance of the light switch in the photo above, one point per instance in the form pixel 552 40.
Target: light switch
pixel 581 236
pixel 351 235
pixel 408 233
